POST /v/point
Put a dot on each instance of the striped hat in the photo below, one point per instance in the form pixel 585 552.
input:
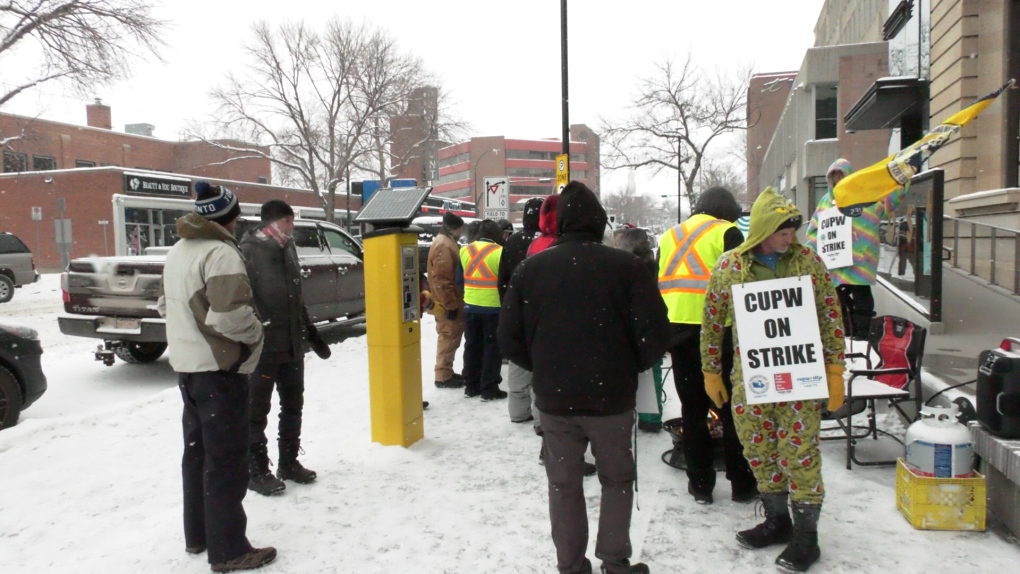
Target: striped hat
pixel 216 203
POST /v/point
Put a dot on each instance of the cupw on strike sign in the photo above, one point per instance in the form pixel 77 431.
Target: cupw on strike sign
pixel 780 344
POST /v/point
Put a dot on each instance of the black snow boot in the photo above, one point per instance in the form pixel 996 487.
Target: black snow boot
pixel 259 478
pixel 290 468
pixel 777 527
pixel 802 551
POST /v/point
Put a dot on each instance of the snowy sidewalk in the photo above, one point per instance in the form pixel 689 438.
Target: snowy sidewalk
pixel 100 493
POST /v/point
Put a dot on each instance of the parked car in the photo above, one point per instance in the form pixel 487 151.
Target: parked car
pixel 17 266
pixel 114 298
pixel 22 381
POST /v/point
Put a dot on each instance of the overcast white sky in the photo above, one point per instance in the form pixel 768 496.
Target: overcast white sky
pixel 499 60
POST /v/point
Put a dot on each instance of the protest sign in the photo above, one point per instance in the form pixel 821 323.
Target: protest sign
pixel 780 343
pixel 835 238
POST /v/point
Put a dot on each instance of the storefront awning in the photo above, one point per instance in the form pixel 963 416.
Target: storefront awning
pixel 885 104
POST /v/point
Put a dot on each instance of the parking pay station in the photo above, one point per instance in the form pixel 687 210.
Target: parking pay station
pixel 392 315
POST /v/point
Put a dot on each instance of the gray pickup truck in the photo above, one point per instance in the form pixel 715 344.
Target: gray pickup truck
pixel 114 298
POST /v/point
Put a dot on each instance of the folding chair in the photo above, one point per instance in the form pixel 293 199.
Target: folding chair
pixel 898 345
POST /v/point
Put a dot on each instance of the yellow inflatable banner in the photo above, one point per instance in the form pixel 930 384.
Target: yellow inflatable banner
pixel 864 187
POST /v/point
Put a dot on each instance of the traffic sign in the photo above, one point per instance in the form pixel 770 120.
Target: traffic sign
pixel 497 198
pixel 562 171
pixel 36 213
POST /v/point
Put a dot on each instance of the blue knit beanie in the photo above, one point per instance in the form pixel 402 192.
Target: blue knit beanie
pixel 216 203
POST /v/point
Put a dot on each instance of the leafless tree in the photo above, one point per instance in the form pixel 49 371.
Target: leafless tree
pixel 631 207
pixel 85 42
pixel 678 113
pixel 317 104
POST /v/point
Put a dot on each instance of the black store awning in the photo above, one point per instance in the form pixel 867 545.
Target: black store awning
pixel 887 103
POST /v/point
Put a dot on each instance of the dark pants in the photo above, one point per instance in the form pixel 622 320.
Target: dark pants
pixel 482 360
pixel 858 308
pixel 694 407
pixel 214 468
pixel 566 439
pixel 289 379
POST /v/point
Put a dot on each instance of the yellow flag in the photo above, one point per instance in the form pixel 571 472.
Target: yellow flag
pixel 864 187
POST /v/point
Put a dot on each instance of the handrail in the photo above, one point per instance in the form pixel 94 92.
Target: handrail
pixel 992 234
pixel 971 221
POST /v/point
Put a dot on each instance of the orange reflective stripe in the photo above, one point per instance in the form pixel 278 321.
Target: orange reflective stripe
pixel 686 254
pixel 476 265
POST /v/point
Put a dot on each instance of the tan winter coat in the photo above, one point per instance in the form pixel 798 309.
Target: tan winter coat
pixel 207 302
pixel 442 270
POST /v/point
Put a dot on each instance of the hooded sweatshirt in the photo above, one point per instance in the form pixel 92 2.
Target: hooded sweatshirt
pixel 865 231
pixel 585 318
pixel 547 225
pixel 515 248
pixel 741 265
pixel 207 302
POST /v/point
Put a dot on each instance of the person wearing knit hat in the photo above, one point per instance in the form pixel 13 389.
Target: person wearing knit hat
pixel 443 267
pixel 275 275
pixel 216 203
pixel 780 440
pixel 215 341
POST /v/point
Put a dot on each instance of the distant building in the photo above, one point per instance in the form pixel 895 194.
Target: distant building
pixel 529 164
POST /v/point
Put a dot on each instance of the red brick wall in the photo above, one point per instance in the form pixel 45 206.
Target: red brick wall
pixel 856 75
pixel 766 99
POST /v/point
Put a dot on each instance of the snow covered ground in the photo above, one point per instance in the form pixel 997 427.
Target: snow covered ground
pixel 90 482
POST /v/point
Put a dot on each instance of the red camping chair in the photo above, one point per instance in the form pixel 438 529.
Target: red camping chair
pixel 898 345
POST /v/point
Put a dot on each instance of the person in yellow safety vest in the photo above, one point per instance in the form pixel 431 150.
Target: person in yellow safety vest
pixel 687 254
pixel 482 361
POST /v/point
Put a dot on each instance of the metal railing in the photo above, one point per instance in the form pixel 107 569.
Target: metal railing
pixel 986 251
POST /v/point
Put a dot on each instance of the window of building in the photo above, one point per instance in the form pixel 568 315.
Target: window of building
pixel 84 163
pixel 455 176
pixel 455 159
pixel 43 163
pixel 263 179
pixel 826 113
pixel 15 162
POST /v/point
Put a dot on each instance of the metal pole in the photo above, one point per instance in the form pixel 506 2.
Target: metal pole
pixel 38 244
pixel 679 185
pixel 566 98
pixel 349 200
pixel 992 271
pixel 106 247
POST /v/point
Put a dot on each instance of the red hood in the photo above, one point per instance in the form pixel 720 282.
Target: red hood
pixel 547 217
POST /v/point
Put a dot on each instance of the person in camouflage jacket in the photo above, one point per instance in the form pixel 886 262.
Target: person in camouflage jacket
pixel 780 440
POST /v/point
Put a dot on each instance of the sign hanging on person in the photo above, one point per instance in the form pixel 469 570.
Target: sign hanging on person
pixel 780 343
pixel 835 238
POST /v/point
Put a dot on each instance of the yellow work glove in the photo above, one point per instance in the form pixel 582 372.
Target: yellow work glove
pixel 715 389
pixel 834 378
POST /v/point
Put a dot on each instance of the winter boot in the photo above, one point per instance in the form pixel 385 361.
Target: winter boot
pixel 777 527
pixel 257 558
pixel 259 478
pixel 625 568
pixel 802 551
pixel 290 468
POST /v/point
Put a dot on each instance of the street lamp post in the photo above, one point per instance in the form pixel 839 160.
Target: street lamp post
pixel 474 179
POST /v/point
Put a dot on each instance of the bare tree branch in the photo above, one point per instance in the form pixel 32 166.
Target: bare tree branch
pixel 677 114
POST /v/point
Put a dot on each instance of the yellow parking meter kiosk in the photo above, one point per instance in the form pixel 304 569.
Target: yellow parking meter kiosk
pixel 392 314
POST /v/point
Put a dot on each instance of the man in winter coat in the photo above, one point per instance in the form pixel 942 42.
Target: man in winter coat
pixel 482 361
pixel 275 275
pixel 780 439
pixel 215 340
pixel 687 254
pixel 853 283
pixel 515 250
pixel 585 319
pixel 443 262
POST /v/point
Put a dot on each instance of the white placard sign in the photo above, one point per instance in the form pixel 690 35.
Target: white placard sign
pixel 497 198
pixel 780 344
pixel 835 238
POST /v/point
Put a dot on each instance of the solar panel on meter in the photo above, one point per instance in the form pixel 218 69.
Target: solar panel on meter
pixel 393 205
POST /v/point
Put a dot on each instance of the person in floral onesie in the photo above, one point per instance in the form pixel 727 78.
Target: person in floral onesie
pixel 780 440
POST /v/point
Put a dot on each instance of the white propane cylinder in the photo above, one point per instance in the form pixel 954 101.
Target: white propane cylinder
pixel 938 445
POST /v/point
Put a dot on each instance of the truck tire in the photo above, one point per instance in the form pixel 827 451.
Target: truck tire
pixel 10 399
pixel 130 352
pixel 6 288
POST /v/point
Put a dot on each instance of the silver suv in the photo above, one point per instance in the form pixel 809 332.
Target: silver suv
pixel 17 266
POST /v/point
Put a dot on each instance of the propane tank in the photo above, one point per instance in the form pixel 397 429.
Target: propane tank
pixel 939 446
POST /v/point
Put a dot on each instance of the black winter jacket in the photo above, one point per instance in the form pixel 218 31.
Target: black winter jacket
pixel 585 318
pixel 275 276
pixel 515 249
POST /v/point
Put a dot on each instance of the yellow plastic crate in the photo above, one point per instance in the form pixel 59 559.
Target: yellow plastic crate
pixel 940 503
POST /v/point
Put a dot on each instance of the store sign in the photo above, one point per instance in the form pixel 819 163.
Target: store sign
pixel 140 183
pixel 780 343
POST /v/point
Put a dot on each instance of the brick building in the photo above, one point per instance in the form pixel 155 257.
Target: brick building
pixel 529 164
pixel 90 170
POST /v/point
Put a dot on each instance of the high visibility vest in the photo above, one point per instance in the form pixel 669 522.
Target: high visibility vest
pixel 481 265
pixel 687 254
